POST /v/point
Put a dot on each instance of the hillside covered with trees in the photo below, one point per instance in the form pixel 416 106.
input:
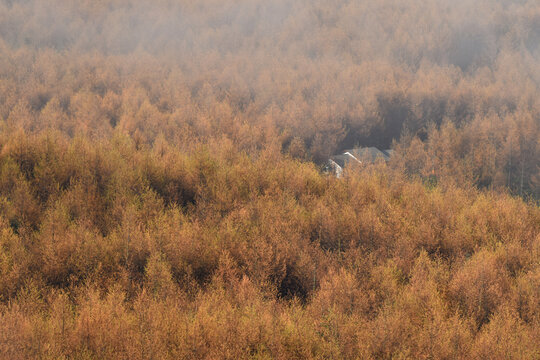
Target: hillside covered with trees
pixel 162 193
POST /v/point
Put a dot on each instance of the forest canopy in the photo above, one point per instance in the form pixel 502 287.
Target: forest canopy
pixel 330 74
pixel 162 192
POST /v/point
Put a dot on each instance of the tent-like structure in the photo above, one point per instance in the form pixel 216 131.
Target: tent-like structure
pixel 337 163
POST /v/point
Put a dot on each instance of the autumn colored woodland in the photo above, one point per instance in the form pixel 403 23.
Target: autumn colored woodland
pixel 163 193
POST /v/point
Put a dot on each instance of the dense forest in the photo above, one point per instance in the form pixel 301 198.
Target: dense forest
pixel 162 193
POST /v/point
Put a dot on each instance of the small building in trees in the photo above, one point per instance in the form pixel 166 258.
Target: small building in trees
pixel 337 163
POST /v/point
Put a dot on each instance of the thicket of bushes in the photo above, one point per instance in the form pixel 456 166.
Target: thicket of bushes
pixel 109 251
